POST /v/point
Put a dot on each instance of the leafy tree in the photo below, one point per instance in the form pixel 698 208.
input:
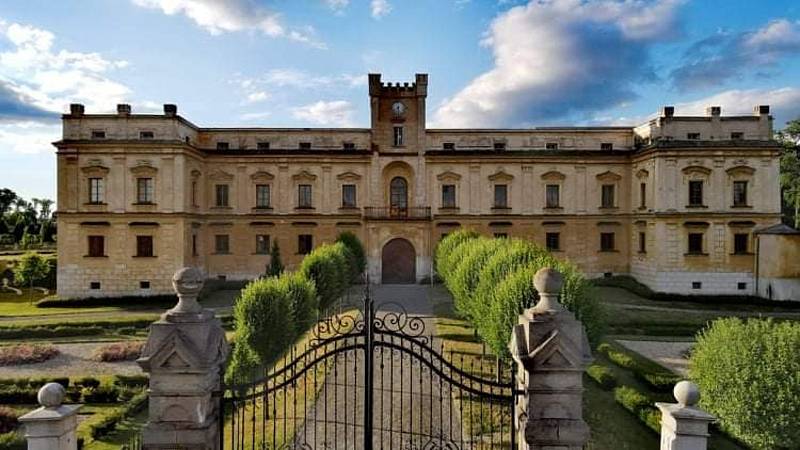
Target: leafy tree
pixel 789 137
pixel 7 198
pixel 357 252
pixel 275 266
pixel 31 268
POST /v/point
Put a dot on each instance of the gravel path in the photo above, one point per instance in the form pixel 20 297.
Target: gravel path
pixel 74 360
pixel 671 355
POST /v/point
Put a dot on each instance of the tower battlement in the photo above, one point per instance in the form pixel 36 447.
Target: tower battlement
pixel 418 88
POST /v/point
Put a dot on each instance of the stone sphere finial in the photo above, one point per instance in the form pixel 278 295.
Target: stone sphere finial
pixel 548 281
pixel 187 282
pixel 51 395
pixel 686 393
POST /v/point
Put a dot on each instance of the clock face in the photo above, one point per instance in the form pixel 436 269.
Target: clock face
pixel 398 108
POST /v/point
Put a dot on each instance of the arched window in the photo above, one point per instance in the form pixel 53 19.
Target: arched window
pixel 398 195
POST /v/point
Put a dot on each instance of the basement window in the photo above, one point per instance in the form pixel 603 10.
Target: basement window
pixel 697 285
pixel 262 145
pixel 551 146
pixel 94 285
pixel 448 146
pixel 693 136
pixel 222 146
pixel 146 135
pixel 499 145
pixel 349 146
pixel 305 146
pixel 736 135
pixel 741 286
pixel 606 146
pixel 144 285
pixel 98 134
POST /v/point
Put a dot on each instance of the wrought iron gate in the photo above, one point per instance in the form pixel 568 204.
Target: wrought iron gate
pixel 367 379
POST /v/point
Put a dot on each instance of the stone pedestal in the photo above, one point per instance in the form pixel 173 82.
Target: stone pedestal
pixel 53 425
pixel 552 352
pixel 683 426
pixel 185 356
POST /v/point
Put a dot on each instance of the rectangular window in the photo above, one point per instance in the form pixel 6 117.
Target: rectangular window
pixel 262 244
pixel 305 244
pixel 697 285
pixel 94 285
pixel 736 135
pixel 144 285
pixel 448 196
pixel 501 235
pixel 221 244
pixel 304 196
pixel 194 245
pixel 223 146
pixel 695 243
pixel 448 146
pixel 693 136
pixel 606 146
pixel 97 246
pixel 349 146
pixel 398 136
pixel 608 196
pixel 740 243
pixel 499 145
pixel 144 190
pixel 607 242
pixel 262 196
pixel 222 195
pixel 642 195
pixel 96 190
pixel 551 146
pixel 552 196
pixel 144 246
pixel 194 193
pixel 552 241
pixel 98 134
pixel 741 286
pixel 348 196
pixel 304 146
pixel 740 193
pixel 263 145
pixel 146 135
pixel 500 196
pixel 642 242
pixel 696 193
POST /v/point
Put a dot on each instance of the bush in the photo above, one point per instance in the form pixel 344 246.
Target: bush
pixel 658 378
pixel 87 382
pixel 357 253
pixel 328 266
pixel 102 394
pixel 118 351
pixel 18 396
pixel 748 377
pixel 26 354
pixel 8 420
pixel 128 301
pixel 109 421
pixel 446 247
pixel 602 375
pixel 302 299
pixel 131 381
pixel 12 441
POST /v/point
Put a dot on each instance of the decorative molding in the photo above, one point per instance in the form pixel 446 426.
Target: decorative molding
pixel 348 176
pixel 609 176
pixel 262 176
pixel 553 175
pixel 144 167
pixel 642 173
pixel 196 173
pixel 699 170
pixel 741 170
pixel 95 168
pixel 304 175
pixel 220 175
pixel 448 176
pixel 501 175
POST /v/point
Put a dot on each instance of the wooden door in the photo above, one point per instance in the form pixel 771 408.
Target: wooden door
pixel 398 262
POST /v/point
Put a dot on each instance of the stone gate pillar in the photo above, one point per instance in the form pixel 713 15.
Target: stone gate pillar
pixel 684 426
pixel 185 356
pixel 53 425
pixel 552 352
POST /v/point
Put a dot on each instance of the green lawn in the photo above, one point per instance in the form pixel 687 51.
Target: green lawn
pixel 25 305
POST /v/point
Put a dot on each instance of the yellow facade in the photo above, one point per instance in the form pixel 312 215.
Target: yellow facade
pixel 209 183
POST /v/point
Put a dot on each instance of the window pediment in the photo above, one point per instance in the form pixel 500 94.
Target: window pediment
pixel 348 176
pixel 304 175
pixel 609 176
pixel 553 175
pixel 144 167
pixel 220 175
pixel 448 176
pixel 741 171
pixel 642 173
pixel 195 173
pixel 501 175
pixel 95 169
pixel 262 176
pixel 696 170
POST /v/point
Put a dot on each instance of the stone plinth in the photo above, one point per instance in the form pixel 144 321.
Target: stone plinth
pixel 53 425
pixel 185 356
pixel 552 352
pixel 684 426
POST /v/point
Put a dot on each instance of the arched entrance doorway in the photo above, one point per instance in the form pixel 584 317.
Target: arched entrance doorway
pixel 398 196
pixel 398 262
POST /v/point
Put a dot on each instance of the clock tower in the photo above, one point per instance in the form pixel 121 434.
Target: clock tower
pixel 398 114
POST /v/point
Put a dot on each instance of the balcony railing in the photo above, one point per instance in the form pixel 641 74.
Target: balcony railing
pixel 390 213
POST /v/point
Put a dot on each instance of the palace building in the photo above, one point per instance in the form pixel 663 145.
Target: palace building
pixel 673 202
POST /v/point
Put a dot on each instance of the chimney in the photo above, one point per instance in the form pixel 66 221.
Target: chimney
pixel 374 83
pixel 668 111
pixel 761 110
pixel 170 110
pixel 123 109
pixel 76 110
pixel 714 111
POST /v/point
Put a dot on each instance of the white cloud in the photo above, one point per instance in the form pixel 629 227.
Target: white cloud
pixel 29 137
pixel 260 88
pixel 223 16
pixel 255 116
pixel 337 6
pixel 334 113
pixel 380 8
pixel 256 97
pixel 559 57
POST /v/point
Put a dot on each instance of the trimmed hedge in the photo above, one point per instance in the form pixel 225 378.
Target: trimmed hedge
pixel 749 377
pixel 602 375
pixel 26 354
pixel 52 330
pixel 491 281
pixel 640 405
pixel 330 268
pixel 129 301
pixel 109 421
pixel 13 441
pixel 357 253
pixel 656 377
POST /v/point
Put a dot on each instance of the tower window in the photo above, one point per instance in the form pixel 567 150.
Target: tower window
pixel 398 136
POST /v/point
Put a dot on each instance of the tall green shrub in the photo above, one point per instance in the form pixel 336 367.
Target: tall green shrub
pixel 465 274
pixel 446 247
pixel 749 377
pixel 302 299
pixel 328 266
pixel 275 266
pixel 356 250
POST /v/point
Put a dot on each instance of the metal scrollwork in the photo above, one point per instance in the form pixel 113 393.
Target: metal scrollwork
pixel 396 319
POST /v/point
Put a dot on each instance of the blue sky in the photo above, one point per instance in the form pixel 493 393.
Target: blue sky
pixel 304 63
